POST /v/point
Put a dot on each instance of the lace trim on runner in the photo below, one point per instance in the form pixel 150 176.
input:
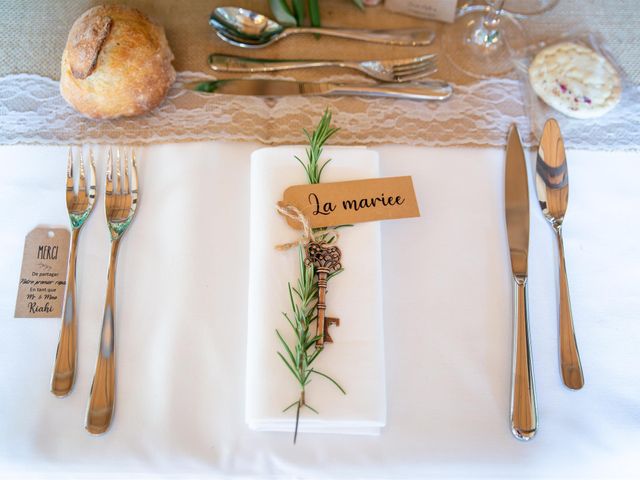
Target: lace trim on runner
pixel 33 111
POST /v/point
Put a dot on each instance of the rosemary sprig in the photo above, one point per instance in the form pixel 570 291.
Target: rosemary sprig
pixel 303 298
pixel 316 140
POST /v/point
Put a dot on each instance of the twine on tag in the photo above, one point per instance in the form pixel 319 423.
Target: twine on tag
pixel 308 235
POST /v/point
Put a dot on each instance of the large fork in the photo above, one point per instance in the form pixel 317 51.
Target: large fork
pixel 400 70
pixel 79 206
pixel 121 198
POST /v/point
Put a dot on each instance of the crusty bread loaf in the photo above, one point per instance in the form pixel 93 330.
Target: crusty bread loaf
pixel 117 62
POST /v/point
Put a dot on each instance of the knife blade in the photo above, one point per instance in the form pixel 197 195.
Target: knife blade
pixel 431 90
pixel 524 419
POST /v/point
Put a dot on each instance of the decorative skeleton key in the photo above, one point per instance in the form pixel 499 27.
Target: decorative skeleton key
pixel 326 259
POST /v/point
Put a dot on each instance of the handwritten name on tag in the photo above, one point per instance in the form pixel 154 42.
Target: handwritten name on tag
pixel 442 10
pixel 43 276
pixel 342 203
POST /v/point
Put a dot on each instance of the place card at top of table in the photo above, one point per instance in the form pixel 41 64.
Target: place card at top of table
pixel 442 10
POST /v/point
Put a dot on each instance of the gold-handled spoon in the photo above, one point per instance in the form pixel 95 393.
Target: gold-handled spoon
pixel 552 185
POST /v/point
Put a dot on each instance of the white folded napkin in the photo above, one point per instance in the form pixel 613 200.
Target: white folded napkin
pixel 356 358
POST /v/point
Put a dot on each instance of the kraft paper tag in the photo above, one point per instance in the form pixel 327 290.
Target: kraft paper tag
pixel 442 10
pixel 343 203
pixel 43 276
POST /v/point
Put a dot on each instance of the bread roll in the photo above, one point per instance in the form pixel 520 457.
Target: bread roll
pixel 117 62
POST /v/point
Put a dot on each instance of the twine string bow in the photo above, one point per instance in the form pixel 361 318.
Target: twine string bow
pixel 318 235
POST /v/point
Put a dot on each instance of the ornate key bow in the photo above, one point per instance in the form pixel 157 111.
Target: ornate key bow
pixel 325 259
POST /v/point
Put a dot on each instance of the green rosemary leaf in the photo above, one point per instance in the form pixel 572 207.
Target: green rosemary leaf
pixel 293 304
pixel 313 356
pixel 295 374
pixel 289 320
pixel 286 347
pixel 322 167
pixel 297 292
pixel 312 341
pixel 329 378
pixel 359 4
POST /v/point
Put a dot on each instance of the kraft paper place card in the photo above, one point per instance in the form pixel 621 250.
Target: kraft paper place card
pixel 442 10
pixel 43 276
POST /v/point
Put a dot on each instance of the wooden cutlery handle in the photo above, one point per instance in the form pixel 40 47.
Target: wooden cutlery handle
pixel 569 357
pixel 64 369
pixel 524 418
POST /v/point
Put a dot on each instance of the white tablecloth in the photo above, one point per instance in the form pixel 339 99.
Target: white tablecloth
pixel 181 327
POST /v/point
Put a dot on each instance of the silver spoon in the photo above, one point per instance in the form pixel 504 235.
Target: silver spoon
pixel 248 29
pixel 552 185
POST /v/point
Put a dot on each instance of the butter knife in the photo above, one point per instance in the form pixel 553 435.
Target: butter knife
pixel 552 184
pixel 524 418
pixel 431 90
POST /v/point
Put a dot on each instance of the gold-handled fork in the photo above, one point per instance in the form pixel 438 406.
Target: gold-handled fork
pixel 79 207
pixel 121 199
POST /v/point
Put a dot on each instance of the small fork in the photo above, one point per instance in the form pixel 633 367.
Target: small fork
pixel 79 207
pixel 402 70
pixel 121 199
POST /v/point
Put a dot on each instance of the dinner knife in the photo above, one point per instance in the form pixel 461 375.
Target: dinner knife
pixel 431 90
pixel 524 419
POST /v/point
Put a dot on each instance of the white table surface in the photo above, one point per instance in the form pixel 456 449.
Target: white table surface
pixel 182 310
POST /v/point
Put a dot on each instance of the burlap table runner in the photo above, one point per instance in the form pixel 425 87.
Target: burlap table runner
pixel 33 34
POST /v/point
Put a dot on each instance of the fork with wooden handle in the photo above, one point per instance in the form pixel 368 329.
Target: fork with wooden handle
pixel 121 199
pixel 79 207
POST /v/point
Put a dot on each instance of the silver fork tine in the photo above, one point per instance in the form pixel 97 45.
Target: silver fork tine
pixel 109 182
pixel 414 61
pixel 92 177
pixel 82 184
pixel 420 68
pixel 70 169
pixel 423 72
pixel 416 76
pixel 118 184
pixel 413 66
pixel 134 181
pixel 125 183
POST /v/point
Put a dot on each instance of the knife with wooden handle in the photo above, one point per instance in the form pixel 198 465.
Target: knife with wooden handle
pixel 524 418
